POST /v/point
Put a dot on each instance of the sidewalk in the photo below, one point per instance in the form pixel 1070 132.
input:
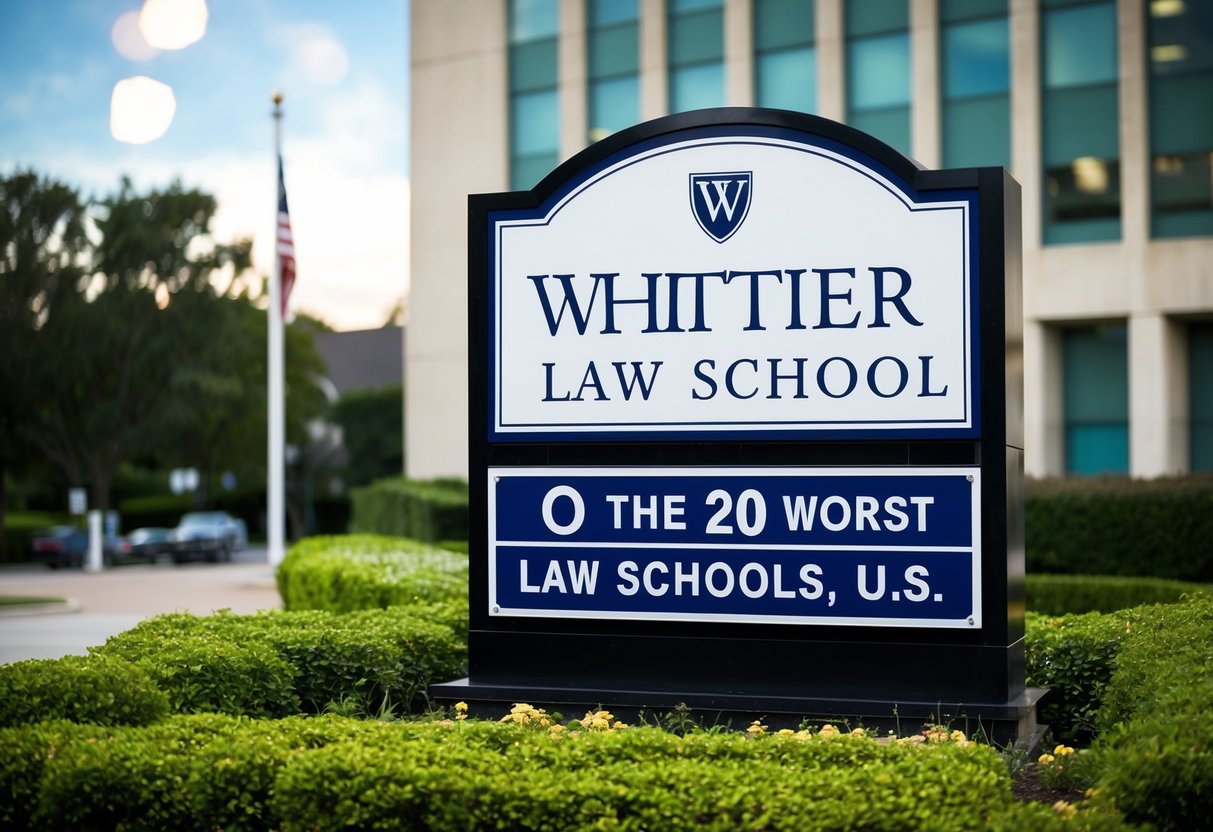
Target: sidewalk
pixel 104 604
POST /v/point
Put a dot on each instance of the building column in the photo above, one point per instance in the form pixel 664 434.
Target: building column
pixel 831 60
pixel 1044 425
pixel 739 53
pixel 1026 155
pixel 654 95
pixel 1157 397
pixel 572 61
pixel 925 92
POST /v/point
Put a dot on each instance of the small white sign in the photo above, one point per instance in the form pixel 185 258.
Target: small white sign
pixel 77 501
pixel 744 284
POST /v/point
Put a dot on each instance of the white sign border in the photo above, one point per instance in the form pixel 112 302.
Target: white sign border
pixel 971 622
pixel 965 426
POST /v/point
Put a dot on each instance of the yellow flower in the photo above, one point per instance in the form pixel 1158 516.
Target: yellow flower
pixel 958 737
pixel 1063 750
pixel 1065 809
pixel 618 726
pixel 828 731
pixel 756 727
pixel 785 732
pixel 1046 759
pixel 461 710
pixel 557 730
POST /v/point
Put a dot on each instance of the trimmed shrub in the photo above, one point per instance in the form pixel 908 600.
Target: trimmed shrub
pixel 1063 594
pixel 1074 656
pixel 93 689
pixel 356 572
pixel 26 751
pixel 20 528
pixel 377 660
pixel 211 772
pixel 1157 745
pixel 1116 526
pixel 421 509
pixel 203 670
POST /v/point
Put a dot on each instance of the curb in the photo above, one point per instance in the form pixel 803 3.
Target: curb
pixel 50 608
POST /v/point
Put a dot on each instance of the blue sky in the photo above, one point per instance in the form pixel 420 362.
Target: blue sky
pixel 343 69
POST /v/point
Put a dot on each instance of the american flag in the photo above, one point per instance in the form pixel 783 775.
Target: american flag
pixel 286 243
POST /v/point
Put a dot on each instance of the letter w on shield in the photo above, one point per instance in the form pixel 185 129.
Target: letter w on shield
pixel 721 201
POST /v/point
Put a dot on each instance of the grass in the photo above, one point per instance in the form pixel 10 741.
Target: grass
pixel 20 600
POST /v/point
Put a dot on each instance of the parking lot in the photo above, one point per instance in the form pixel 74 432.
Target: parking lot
pixel 102 604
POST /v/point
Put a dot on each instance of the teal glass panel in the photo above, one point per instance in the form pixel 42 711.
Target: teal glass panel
pixel 1181 114
pixel 533 66
pixel 1200 396
pixel 1079 46
pixel 1080 122
pixel 1182 43
pixel 696 38
pixel 614 51
pixel 696 87
pixel 533 20
pixel 611 12
pixel 1182 195
pixel 787 79
pixel 869 17
pixel 890 125
pixel 614 105
pixel 685 6
pixel 977 132
pixel 1096 399
pixel 952 11
pixel 976 58
pixel 780 24
pixel 878 72
pixel 534 123
pixel 526 171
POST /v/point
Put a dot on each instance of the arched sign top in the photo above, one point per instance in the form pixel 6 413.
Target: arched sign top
pixel 733 273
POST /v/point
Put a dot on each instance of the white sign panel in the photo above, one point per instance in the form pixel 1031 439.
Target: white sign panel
pixel 743 285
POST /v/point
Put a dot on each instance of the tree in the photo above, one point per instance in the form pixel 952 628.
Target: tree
pixel 42 239
pixel 372 424
pixel 105 357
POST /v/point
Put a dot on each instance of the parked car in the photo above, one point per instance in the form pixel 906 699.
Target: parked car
pixel 208 535
pixel 68 546
pixel 150 543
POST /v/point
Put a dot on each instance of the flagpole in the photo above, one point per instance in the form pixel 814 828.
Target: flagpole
pixel 275 479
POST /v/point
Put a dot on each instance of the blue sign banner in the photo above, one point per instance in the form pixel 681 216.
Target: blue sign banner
pixel 857 546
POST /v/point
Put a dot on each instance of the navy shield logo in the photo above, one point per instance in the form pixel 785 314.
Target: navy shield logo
pixel 721 201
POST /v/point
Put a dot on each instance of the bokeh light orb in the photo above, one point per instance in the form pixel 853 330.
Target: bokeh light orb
pixel 129 40
pixel 141 109
pixel 173 24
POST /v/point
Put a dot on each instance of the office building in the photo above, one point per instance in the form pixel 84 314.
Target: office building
pixel 1101 109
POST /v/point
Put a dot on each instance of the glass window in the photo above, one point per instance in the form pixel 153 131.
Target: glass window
pixel 695 52
pixel 1200 396
pixel 785 60
pixel 614 105
pixel 696 87
pixel 1095 376
pixel 878 69
pixel 614 67
pixel 611 12
pixel 1080 123
pixel 534 101
pixel 1181 118
pixel 533 20
pixel 976 79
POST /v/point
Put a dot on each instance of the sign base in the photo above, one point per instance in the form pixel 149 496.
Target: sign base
pixel 1001 723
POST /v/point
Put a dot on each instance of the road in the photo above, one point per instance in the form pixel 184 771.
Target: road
pixel 116 599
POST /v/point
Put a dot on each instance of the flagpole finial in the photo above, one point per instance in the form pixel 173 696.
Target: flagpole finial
pixel 277 99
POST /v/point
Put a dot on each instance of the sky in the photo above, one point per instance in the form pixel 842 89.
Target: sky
pixel 342 68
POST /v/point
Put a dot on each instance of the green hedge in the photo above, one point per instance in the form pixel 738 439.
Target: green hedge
pixel 209 772
pixel 282 663
pixel 1063 594
pixel 1117 526
pixel 355 572
pixel 1156 748
pixel 1074 656
pixel 93 689
pixel 428 510
pixel 20 528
